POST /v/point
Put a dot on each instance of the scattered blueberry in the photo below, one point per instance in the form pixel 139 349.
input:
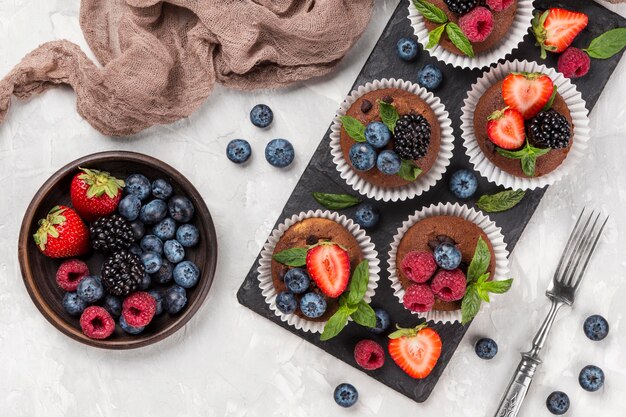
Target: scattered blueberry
pixel 158 296
pixel 164 274
pixel 173 251
pixel 382 321
pixel 297 280
pixel 261 115
pixel 151 261
pixel 129 207
pixel 407 49
pixel 238 151
pixel 90 289
pixel 135 249
pixel 596 327
pixel 188 235
pixel 181 208
pixel 165 229
pixel 362 156
pixel 138 185
pixel 186 274
pixel 279 153
pixel 151 243
pixel 286 302
pixel 367 216
pixel 138 229
pixel 463 183
pixel 430 77
pixel 175 299
pixel 557 403
pixel 128 328
pixel 73 304
pixel 377 134
pixel 346 395
pixel 113 305
pixel 312 305
pixel 145 282
pixel 591 378
pixel 447 256
pixel 162 189
pixel 486 348
pixel 388 162
pixel 153 212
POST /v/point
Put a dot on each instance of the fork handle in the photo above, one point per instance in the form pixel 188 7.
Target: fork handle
pixel 518 387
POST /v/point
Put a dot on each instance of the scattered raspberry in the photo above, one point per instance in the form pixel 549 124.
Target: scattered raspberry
pixel 70 273
pixel 574 63
pixel 499 5
pixel 449 285
pixel 477 24
pixel 138 309
pixel 97 323
pixel 418 266
pixel 369 355
pixel 419 298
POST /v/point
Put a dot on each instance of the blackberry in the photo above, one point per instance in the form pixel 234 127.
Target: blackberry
pixel 461 7
pixel 549 129
pixel 411 136
pixel 111 234
pixel 122 273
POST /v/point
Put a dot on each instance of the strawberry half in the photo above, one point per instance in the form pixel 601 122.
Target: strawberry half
pixel 62 234
pixel 416 350
pixel 555 29
pixel 328 265
pixel 95 193
pixel 506 128
pixel 527 92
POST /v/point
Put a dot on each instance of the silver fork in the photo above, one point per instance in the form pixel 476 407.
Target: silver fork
pixel 562 289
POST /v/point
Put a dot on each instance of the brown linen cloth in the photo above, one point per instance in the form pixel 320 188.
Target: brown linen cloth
pixel 161 58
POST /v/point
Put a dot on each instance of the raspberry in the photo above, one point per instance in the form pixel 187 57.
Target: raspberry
pixel 477 24
pixel 369 355
pixel 418 266
pixel 499 5
pixel 419 298
pixel 97 323
pixel 574 63
pixel 70 273
pixel 449 285
pixel 138 309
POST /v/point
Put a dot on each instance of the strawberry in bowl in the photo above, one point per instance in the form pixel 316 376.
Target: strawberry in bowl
pixel 95 193
pixel 62 234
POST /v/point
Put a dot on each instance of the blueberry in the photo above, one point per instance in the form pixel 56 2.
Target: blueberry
pixel 138 185
pixel 362 156
pixel 261 115
pixel 135 249
pixel 128 328
pixel 367 216
pixel 596 327
pixel 486 348
pixel 153 212
pixel 129 207
pixel 286 302
pixel 145 282
pixel 113 305
pixel 164 274
pixel 73 304
pixel 151 243
pixel 138 229
pixel 557 403
pixel 382 321
pixel 188 235
pixel 238 151
pixel 162 189
pixel 90 289
pixel 377 134
pixel 447 256
pixel 279 153
pixel 297 280
pixel 591 378
pixel 388 162
pixel 173 251
pixel 151 261
pixel 165 229
pixel 181 208
pixel 158 296
pixel 430 77
pixel 186 274
pixel 463 183
pixel 346 395
pixel 175 299
pixel 312 305
pixel 407 49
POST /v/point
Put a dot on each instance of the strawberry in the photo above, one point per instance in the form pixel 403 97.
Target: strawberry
pixel 329 266
pixel 62 234
pixel 555 29
pixel 506 128
pixel 527 92
pixel 95 193
pixel 415 350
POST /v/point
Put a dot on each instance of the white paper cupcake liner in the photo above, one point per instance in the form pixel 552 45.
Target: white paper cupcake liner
pixel 424 181
pixel 510 42
pixel 479 219
pixel 266 284
pixel 574 101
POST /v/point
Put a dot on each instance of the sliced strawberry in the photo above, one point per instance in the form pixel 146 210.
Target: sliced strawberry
pixel 556 29
pixel 506 128
pixel 329 266
pixel 416 350
pixel 527 92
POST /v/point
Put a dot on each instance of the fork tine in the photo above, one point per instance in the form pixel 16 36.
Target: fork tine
pixel 585 240
pixel 575 249
pixel 568 245
pixel 589 254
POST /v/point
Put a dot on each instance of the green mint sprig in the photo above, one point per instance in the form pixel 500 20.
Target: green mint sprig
pixel 502 201
pixel 336 201
pixel 434 14
pixel 354 128
pixel 527 155
pixel 291 257
pixel 607 44
pixel 550 102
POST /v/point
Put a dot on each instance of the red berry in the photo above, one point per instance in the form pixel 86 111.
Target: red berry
pixel 506 129
pixel 477 24
pixel 369 355
pixel 449 285
pixel 70 273
pixel 97 323
pixel 419 298
pixel 499 5
pixel 527 92
pixel 574 63
pixel 138 309
pixel 62 234
pixel 416 351
pixel 557 28
pixel 418 266
pixel 95 193
pixel 328 265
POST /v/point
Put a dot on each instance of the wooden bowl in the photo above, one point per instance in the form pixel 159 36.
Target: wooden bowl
pixel 39 271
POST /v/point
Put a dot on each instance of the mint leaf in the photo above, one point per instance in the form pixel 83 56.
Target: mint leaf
pixel 527 155
pixel 430 11
pixel 529 162
pixel 335 324
pixel 358 284
pixel 480 261
pixel 470 304
pixel 482 294
pixel 512 154
pixel 497 287
pixel 354 128
pixel 607 44
pixel 291 257
pixel 409 171
pixel 550 102
pixel 434 36
pixel 336 201
pixel 364 315
pixel 502 201
pixel 388 114
pixel 458 38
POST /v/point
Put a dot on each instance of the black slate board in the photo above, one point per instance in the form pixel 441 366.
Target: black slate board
pixel 321 175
